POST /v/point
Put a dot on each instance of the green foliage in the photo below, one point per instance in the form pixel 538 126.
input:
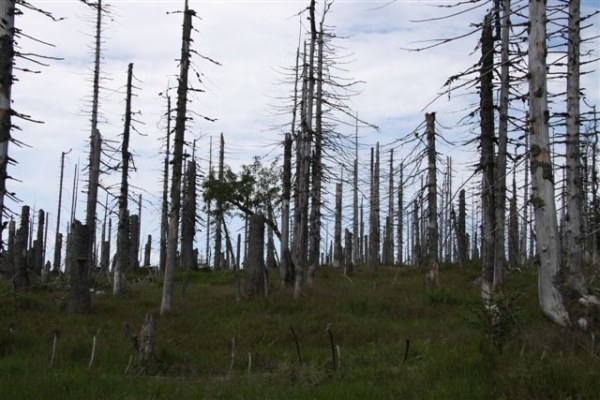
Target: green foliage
pixel 396 340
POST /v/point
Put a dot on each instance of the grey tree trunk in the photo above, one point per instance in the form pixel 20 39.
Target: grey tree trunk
pixel 389 226
pixel 19 253
pixel 285 264
pixel 188 220
pixel 548 240
pixel 317 167
pixel 461 231
pixel 164 215
pixel 180 120
pixel 400 212
pixel 255 263
pixel 95 144
pixel 487 158
pixel 79 296
pixel 432 215
pixel 134 243
pixel 7 30
pixel 38 244
pixel 374 234
pixel 147 251
pixel 123 234
pixel 525 226
pixel 355 221
pixel 513 229
pixel 574 221
pixel 348 248
pixel 219 208
pixel 337 230
pixel 500 167
pixel 58 237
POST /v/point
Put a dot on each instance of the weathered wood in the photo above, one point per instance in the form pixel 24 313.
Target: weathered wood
pixel 548 239
pixel 20 275
pixel 180 121
pixel 432 215
pixel 255 263
pixel 79 295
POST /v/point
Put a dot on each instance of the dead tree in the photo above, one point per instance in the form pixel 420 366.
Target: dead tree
pixel 19 252
pixel 256 278
pixel 79 297
pixel 574 220
pixel 38 244
pixel 188 221
pixel 147 252
pixel 543 194
pixel 285 265
pixel 389 224
pixel 123 233
pixel 432 222
pixel 58 236
pixel 348 248
pixel 95 152
pixel 461 229
pixel 400 214
pixel 164 215
pixel 374 233
pixel 486 111
pixel 219 208
pixel 355 222
pixel 337 231
pixel 180 120
pixel 7 54
pixel 500 164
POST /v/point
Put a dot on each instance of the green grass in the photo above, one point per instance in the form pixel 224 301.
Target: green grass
pixel 452 352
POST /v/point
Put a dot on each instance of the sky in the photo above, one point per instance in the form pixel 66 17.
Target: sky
pixel 255 44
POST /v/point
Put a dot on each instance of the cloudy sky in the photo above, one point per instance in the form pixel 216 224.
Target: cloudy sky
pixel 255 42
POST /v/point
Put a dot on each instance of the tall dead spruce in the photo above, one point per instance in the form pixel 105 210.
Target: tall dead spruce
pixel 180 120
pixel 548 239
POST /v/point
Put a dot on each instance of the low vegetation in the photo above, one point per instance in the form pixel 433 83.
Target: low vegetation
pixel 391 336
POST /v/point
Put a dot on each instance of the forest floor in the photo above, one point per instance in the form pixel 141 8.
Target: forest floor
pixel 393 338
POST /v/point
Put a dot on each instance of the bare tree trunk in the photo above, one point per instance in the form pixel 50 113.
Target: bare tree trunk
pixel 513 229
pixel 500 167
pixel 95 145
pixel 219 208
pixel 188 221
pixel 374 235
pixel 255 263
pixel 548 240
pixel 123 233
pixel 317 167
pixel 134 243
pixel 487 158
pixel 180 120
pixel 7 31
pixel 147 252
pixel 355 222
pixel 432 224
pixel 337 230
pixel 525 226
pixel 38 244
pixel 461 229
pixel 79 298
pixel 574 221
pixel 389 226
pixel 400 231
pixel 58 237
pixel 19 253
pixel 348 264
pixel 285 264
pixel 164 215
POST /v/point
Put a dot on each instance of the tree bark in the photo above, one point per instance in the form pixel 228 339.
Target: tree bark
pixel 548 240
pixel 79 299
pixel 7 30
pixel 374 234
pixel 219 207
pixel 432 221
pixel 188 220
pixel 337 230
pixel 164 215
pixel 574 218
pixel 180 120
pixel 255 263
pixel 487 158
pixel 285 264
pixel 123 242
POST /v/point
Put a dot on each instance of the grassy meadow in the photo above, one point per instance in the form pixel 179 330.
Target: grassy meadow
pixel 393 338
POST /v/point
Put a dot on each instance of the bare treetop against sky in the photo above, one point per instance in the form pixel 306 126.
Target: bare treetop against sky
pixel 254 41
